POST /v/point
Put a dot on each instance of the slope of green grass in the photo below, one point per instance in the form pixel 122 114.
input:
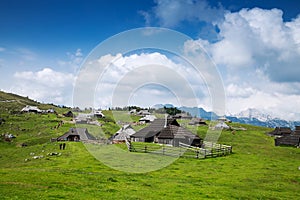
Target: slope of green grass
pixel 77 175
pixel 12 103
pixel 256 170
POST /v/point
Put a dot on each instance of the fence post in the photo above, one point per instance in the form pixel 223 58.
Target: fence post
pixel 145 149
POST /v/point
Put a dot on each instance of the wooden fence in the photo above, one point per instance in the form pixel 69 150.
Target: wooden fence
pixel 184 150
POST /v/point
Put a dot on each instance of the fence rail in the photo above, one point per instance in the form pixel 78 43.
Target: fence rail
pixel 184 150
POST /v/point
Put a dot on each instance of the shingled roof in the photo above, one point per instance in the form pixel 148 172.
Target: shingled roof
pixel 171 132
pixel 125 132
pixel 154 128
pixel 281 131
pixel 197 121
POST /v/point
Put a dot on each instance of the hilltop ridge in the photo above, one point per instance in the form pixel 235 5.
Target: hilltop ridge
pixel 10 103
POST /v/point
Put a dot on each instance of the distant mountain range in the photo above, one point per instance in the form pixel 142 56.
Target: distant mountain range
pixel 250 116
pixel 199 112
pixel 258 118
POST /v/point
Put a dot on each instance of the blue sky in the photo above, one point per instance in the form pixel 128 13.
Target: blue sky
pixel 65 25
pixel 255 47
pixel 54 27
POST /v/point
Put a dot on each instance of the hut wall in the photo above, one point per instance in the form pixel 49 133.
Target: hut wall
pixel 166 141
pixel 291 140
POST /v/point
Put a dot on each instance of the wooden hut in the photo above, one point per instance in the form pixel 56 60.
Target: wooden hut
pixel 125 132
pixel 76 134
pixel 31 109
pixel 166 131
pixel 150 133
pixel 68 114
pixel 291 138
pixel 197 122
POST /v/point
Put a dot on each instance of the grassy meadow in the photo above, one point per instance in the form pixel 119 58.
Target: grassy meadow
pixel 256 169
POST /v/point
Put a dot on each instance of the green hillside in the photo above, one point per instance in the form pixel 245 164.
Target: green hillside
pixel 256 169
pixel 12 103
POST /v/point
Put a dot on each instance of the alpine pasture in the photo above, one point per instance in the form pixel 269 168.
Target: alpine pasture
pixel 256 169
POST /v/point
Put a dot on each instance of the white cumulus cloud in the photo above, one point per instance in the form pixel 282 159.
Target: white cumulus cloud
pixel 118 78
pixel 258 57
pixel 259 38
pixel 45 85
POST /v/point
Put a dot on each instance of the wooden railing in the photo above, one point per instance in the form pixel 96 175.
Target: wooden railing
pixel 183 150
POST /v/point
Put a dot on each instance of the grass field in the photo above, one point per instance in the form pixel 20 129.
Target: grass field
pixel 256 169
